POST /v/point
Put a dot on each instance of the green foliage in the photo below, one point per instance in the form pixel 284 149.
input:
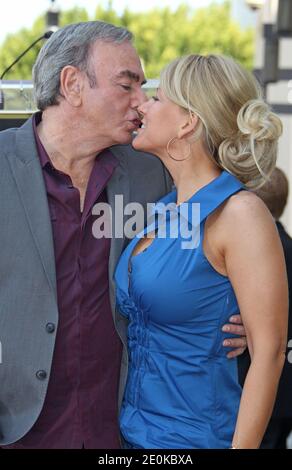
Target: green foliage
pixel 15 44
pixel 73 16
pixel 160 35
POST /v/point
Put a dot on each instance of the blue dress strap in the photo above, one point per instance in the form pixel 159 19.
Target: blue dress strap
pixel 215 193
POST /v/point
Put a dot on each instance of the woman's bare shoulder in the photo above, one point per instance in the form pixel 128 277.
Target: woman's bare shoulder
pixel 244 216
pixel 241 220
pixel 246 206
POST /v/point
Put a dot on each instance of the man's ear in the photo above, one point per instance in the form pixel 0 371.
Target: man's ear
pixel 70 85
pixel 188 127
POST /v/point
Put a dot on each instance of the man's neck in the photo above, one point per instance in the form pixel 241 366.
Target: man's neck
pixel 65 151
pixel 66 156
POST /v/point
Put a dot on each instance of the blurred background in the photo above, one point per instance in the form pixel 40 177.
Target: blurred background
pixel 258 33
pixel 163 29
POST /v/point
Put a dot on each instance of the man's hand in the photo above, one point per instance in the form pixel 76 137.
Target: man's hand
pixel 239 344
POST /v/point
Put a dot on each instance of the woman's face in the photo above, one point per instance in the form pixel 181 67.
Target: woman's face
pixel 162 120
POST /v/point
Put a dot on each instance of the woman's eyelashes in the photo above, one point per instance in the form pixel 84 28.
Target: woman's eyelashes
pixel 155 98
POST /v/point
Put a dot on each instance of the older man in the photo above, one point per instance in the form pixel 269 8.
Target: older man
pixel 64 360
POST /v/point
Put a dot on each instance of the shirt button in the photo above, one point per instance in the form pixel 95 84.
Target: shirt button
pixel 41 374
pixel 50 327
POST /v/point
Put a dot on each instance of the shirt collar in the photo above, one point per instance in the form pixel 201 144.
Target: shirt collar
pixel 207 197
pixel 43 156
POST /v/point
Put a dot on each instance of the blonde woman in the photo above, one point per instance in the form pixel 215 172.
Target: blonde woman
pixel 217 137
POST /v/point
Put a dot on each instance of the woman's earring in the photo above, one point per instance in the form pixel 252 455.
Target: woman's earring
pixel 172 157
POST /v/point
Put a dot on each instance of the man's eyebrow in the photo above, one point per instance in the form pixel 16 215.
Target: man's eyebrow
pixel 131 75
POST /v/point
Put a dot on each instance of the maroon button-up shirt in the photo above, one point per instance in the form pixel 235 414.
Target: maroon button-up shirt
pixel 80 408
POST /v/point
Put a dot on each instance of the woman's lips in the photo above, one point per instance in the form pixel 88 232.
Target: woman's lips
pixel 136 122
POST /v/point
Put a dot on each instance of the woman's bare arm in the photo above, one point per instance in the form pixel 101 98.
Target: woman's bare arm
pixel 256 268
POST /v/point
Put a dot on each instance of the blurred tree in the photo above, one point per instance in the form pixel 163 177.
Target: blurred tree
pixel 15 44
pixel 160 35
pixel 108 14
pixel 73 16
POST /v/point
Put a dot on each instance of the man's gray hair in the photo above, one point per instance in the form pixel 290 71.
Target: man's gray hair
pixel 70 45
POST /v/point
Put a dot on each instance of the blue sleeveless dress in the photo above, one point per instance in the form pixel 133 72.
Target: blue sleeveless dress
pixel 182 391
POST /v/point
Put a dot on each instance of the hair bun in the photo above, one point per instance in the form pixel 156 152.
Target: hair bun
pixel 251 153
pixel 255 119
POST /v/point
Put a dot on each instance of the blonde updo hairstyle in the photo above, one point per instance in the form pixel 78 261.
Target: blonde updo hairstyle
pixel 238 128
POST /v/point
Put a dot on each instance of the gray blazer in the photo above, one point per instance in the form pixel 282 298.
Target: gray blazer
pixel 28 295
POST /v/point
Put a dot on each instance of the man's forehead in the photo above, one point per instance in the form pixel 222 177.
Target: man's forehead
pixel 119 60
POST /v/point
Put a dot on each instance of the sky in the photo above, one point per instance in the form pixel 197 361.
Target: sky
pixel 16 14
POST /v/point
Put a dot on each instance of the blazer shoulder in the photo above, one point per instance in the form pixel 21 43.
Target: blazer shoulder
pixel 128 155
pixel 143 163
pixel 7 140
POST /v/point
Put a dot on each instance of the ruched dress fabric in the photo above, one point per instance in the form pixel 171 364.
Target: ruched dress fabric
pixel 182 391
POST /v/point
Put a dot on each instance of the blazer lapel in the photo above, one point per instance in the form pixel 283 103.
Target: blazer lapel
pixel 117 186
pixel 28 176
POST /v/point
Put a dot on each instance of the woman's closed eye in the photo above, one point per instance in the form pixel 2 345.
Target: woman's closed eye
pixel 154 98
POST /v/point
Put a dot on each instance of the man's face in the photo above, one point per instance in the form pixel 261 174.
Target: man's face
pixel 110 108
